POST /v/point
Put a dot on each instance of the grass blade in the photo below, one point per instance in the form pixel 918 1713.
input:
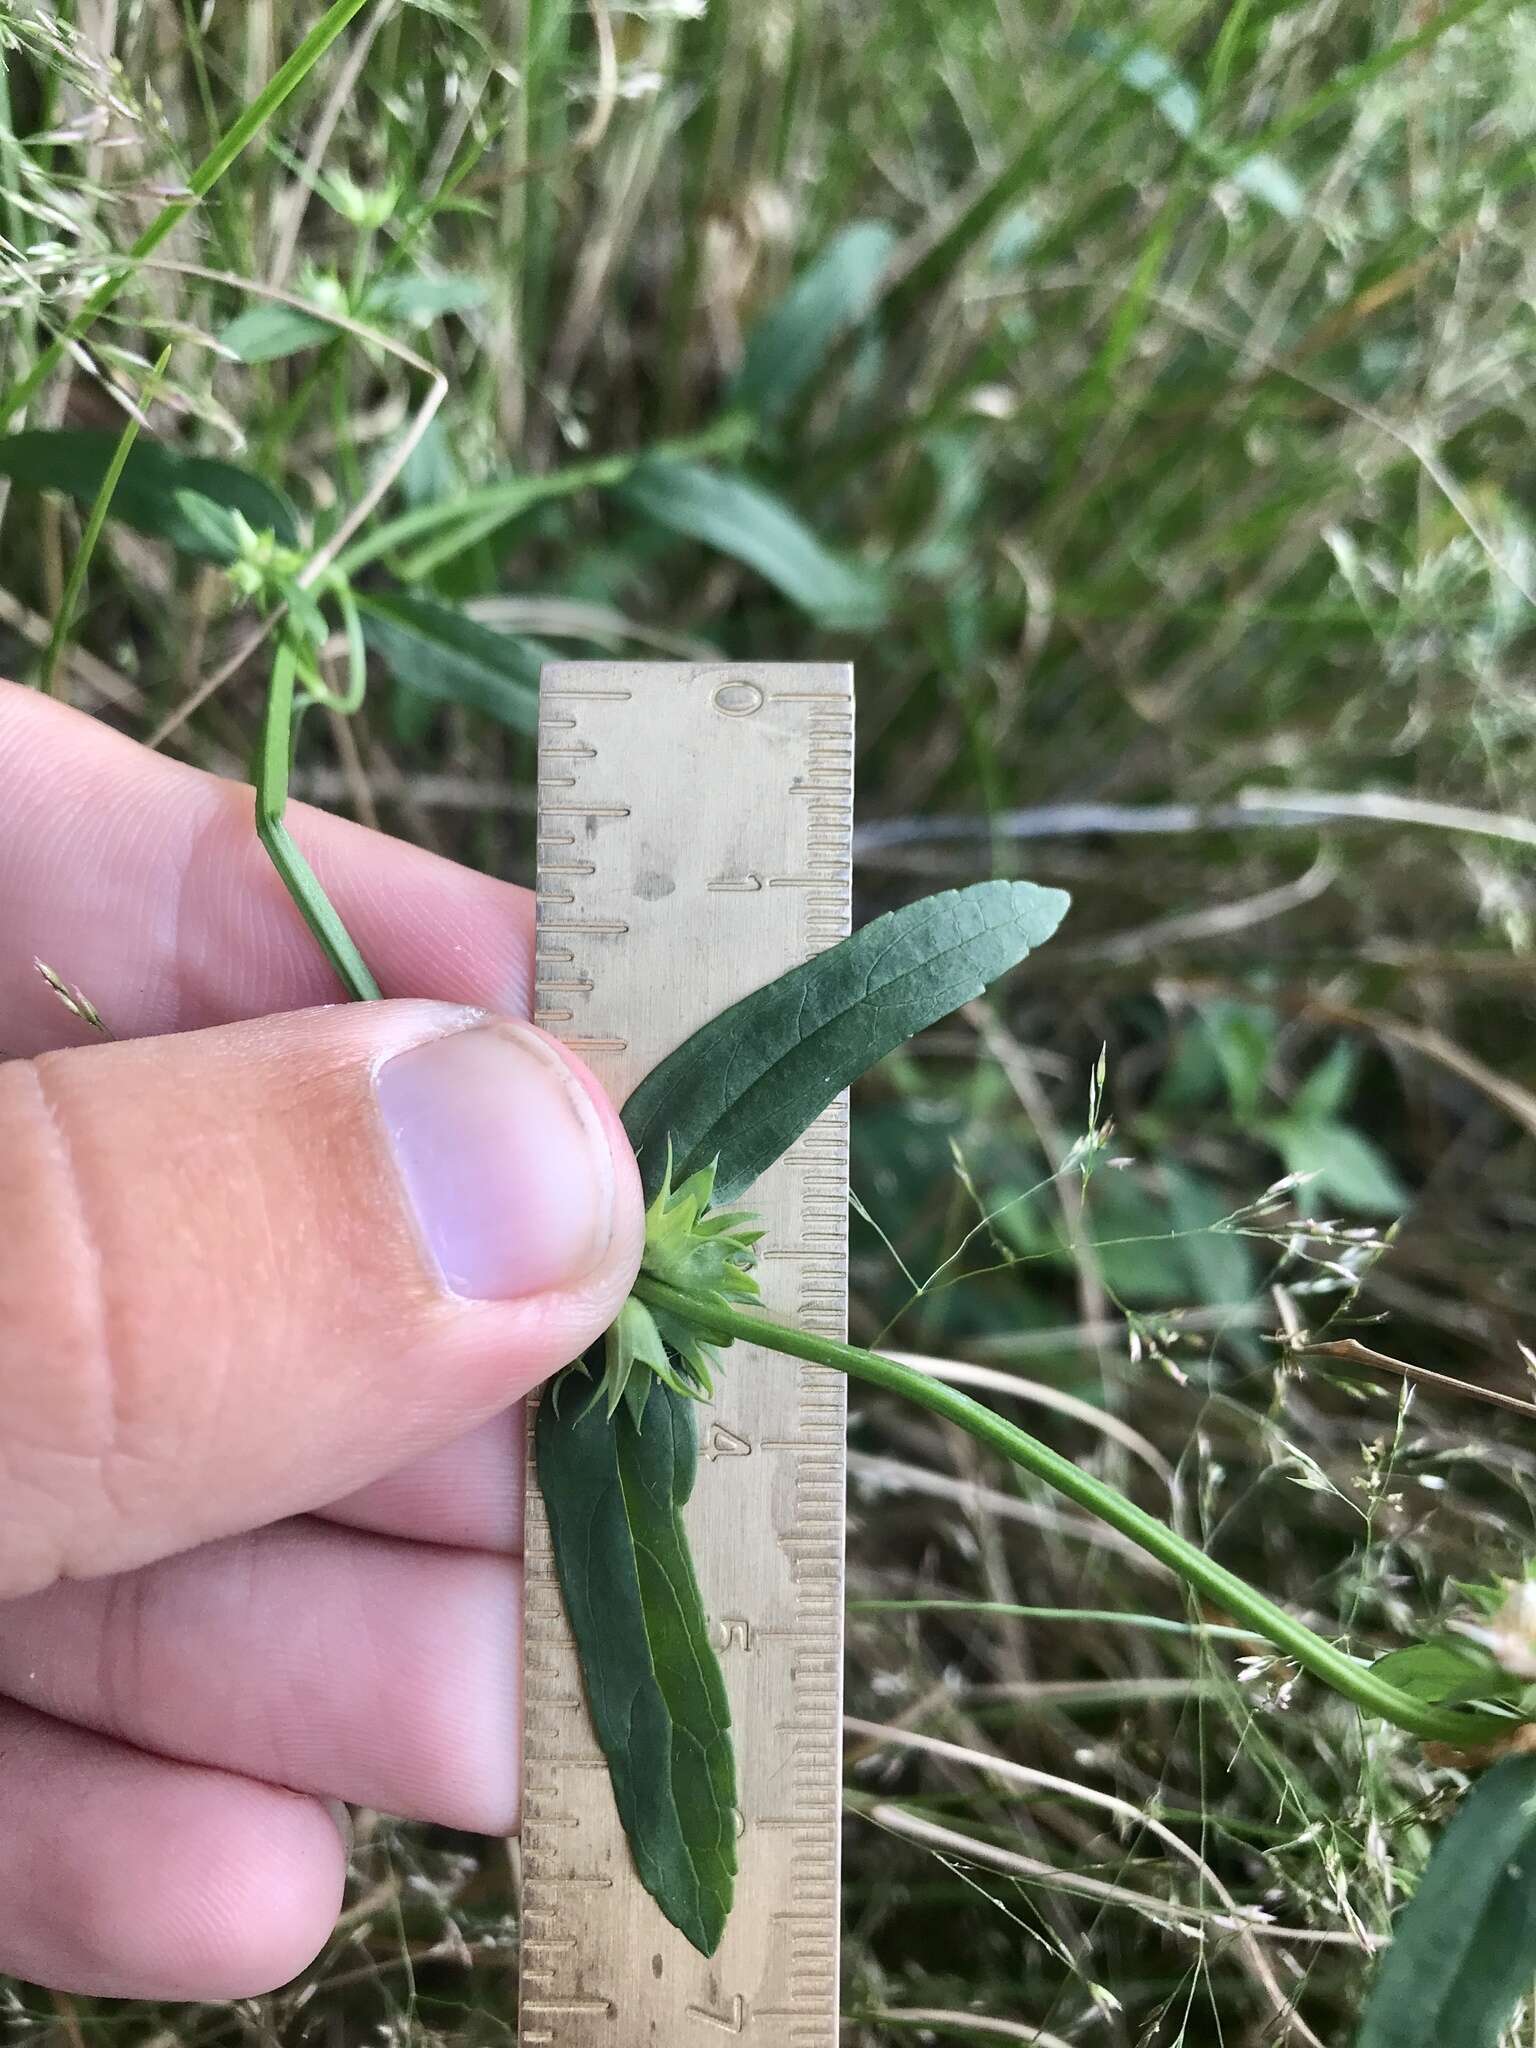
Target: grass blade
pixel 69 603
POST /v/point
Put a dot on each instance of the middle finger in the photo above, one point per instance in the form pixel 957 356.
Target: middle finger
pixel 323 1659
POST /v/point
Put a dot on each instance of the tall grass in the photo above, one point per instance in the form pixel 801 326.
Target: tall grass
pixel 1150 431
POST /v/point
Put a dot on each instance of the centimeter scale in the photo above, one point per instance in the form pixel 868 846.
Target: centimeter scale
pixel 694 842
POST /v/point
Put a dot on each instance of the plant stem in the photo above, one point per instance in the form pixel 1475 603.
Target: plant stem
pixel 69 603
pixel 458 523
pixel 1324 1660
pixel 208 173
pixel 272 773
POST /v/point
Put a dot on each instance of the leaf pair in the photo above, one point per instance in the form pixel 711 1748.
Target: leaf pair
pixel 718 1112
pixel 161 492
pixel 615 1489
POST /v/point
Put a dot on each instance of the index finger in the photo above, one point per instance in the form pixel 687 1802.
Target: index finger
pixel 141 881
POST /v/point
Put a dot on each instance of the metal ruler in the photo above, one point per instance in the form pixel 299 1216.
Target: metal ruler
pixel 694 841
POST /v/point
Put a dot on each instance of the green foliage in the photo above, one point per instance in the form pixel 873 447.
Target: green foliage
pixel 790 346
pixel 1447 1671
pixel 1343 1165
pixel 615 1489
pixel 754 526
pixel 710 1254
pixel 1284 538
pixel 1152 1236
pixel 440 652
pixel 1464 1948
pixel 741 1090
pixel 727 1103
pixel 153 490
pixel 269 333
pixel 1145 70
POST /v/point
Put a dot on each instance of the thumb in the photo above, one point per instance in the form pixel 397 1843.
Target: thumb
pixel 245 1271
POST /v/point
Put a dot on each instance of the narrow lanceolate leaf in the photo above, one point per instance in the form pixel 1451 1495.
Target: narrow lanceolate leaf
pixel 743 1088
pixel 740 519
pixel 1464 1950
pixel 442 653
pixel 832 296
pixel 614 1490
pixel 1444 1673
pixel 266 334
pixel 150 492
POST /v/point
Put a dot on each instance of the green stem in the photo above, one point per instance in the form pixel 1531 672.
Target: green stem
pixel 273 768
pixel 458 523
pixel 1099 1617
pixel 208 173
pixel 1335 1667
pixel 69 603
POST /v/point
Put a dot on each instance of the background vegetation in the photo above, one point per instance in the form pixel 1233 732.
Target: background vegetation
pixel 1139 397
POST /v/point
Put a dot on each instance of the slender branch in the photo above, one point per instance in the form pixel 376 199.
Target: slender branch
pixel 69 603
pixel 447 528
pixel 1324 1660
pixel 273 769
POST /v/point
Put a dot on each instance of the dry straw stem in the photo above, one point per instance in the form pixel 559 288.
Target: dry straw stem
pixel 1351 1352
pixel 881 1474
pixel 987 1379
pixel 1011 1773
pixel 1196 1923
pixel 952 2022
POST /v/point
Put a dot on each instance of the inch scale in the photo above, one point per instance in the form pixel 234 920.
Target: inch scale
pixel 695 828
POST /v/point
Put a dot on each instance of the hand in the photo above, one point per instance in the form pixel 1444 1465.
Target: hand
pixel 269 1288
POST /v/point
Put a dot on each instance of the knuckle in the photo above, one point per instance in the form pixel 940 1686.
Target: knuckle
pixel 66 1365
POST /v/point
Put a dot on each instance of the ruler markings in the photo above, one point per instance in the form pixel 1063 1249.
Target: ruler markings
pixel 734 886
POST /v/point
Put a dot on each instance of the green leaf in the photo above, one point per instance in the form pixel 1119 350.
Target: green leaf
pixel 829 298
pixel 1443 1672
pixel 1323 1094
pixel 416 301
pixel 442 653
pixel 75 460
pixel 744 1086
pixel 1349 1168
pixel 1243 1040
pixel 1219 1261
pixel 268 333
pixel 1464 1950
pixel 614 1491
pixel 742 520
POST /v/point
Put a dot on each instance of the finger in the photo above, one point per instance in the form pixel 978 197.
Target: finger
pixel 469 1493
pixel 142 882
pixel 125 1876
pixel 244 1272
pixel 355 1667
